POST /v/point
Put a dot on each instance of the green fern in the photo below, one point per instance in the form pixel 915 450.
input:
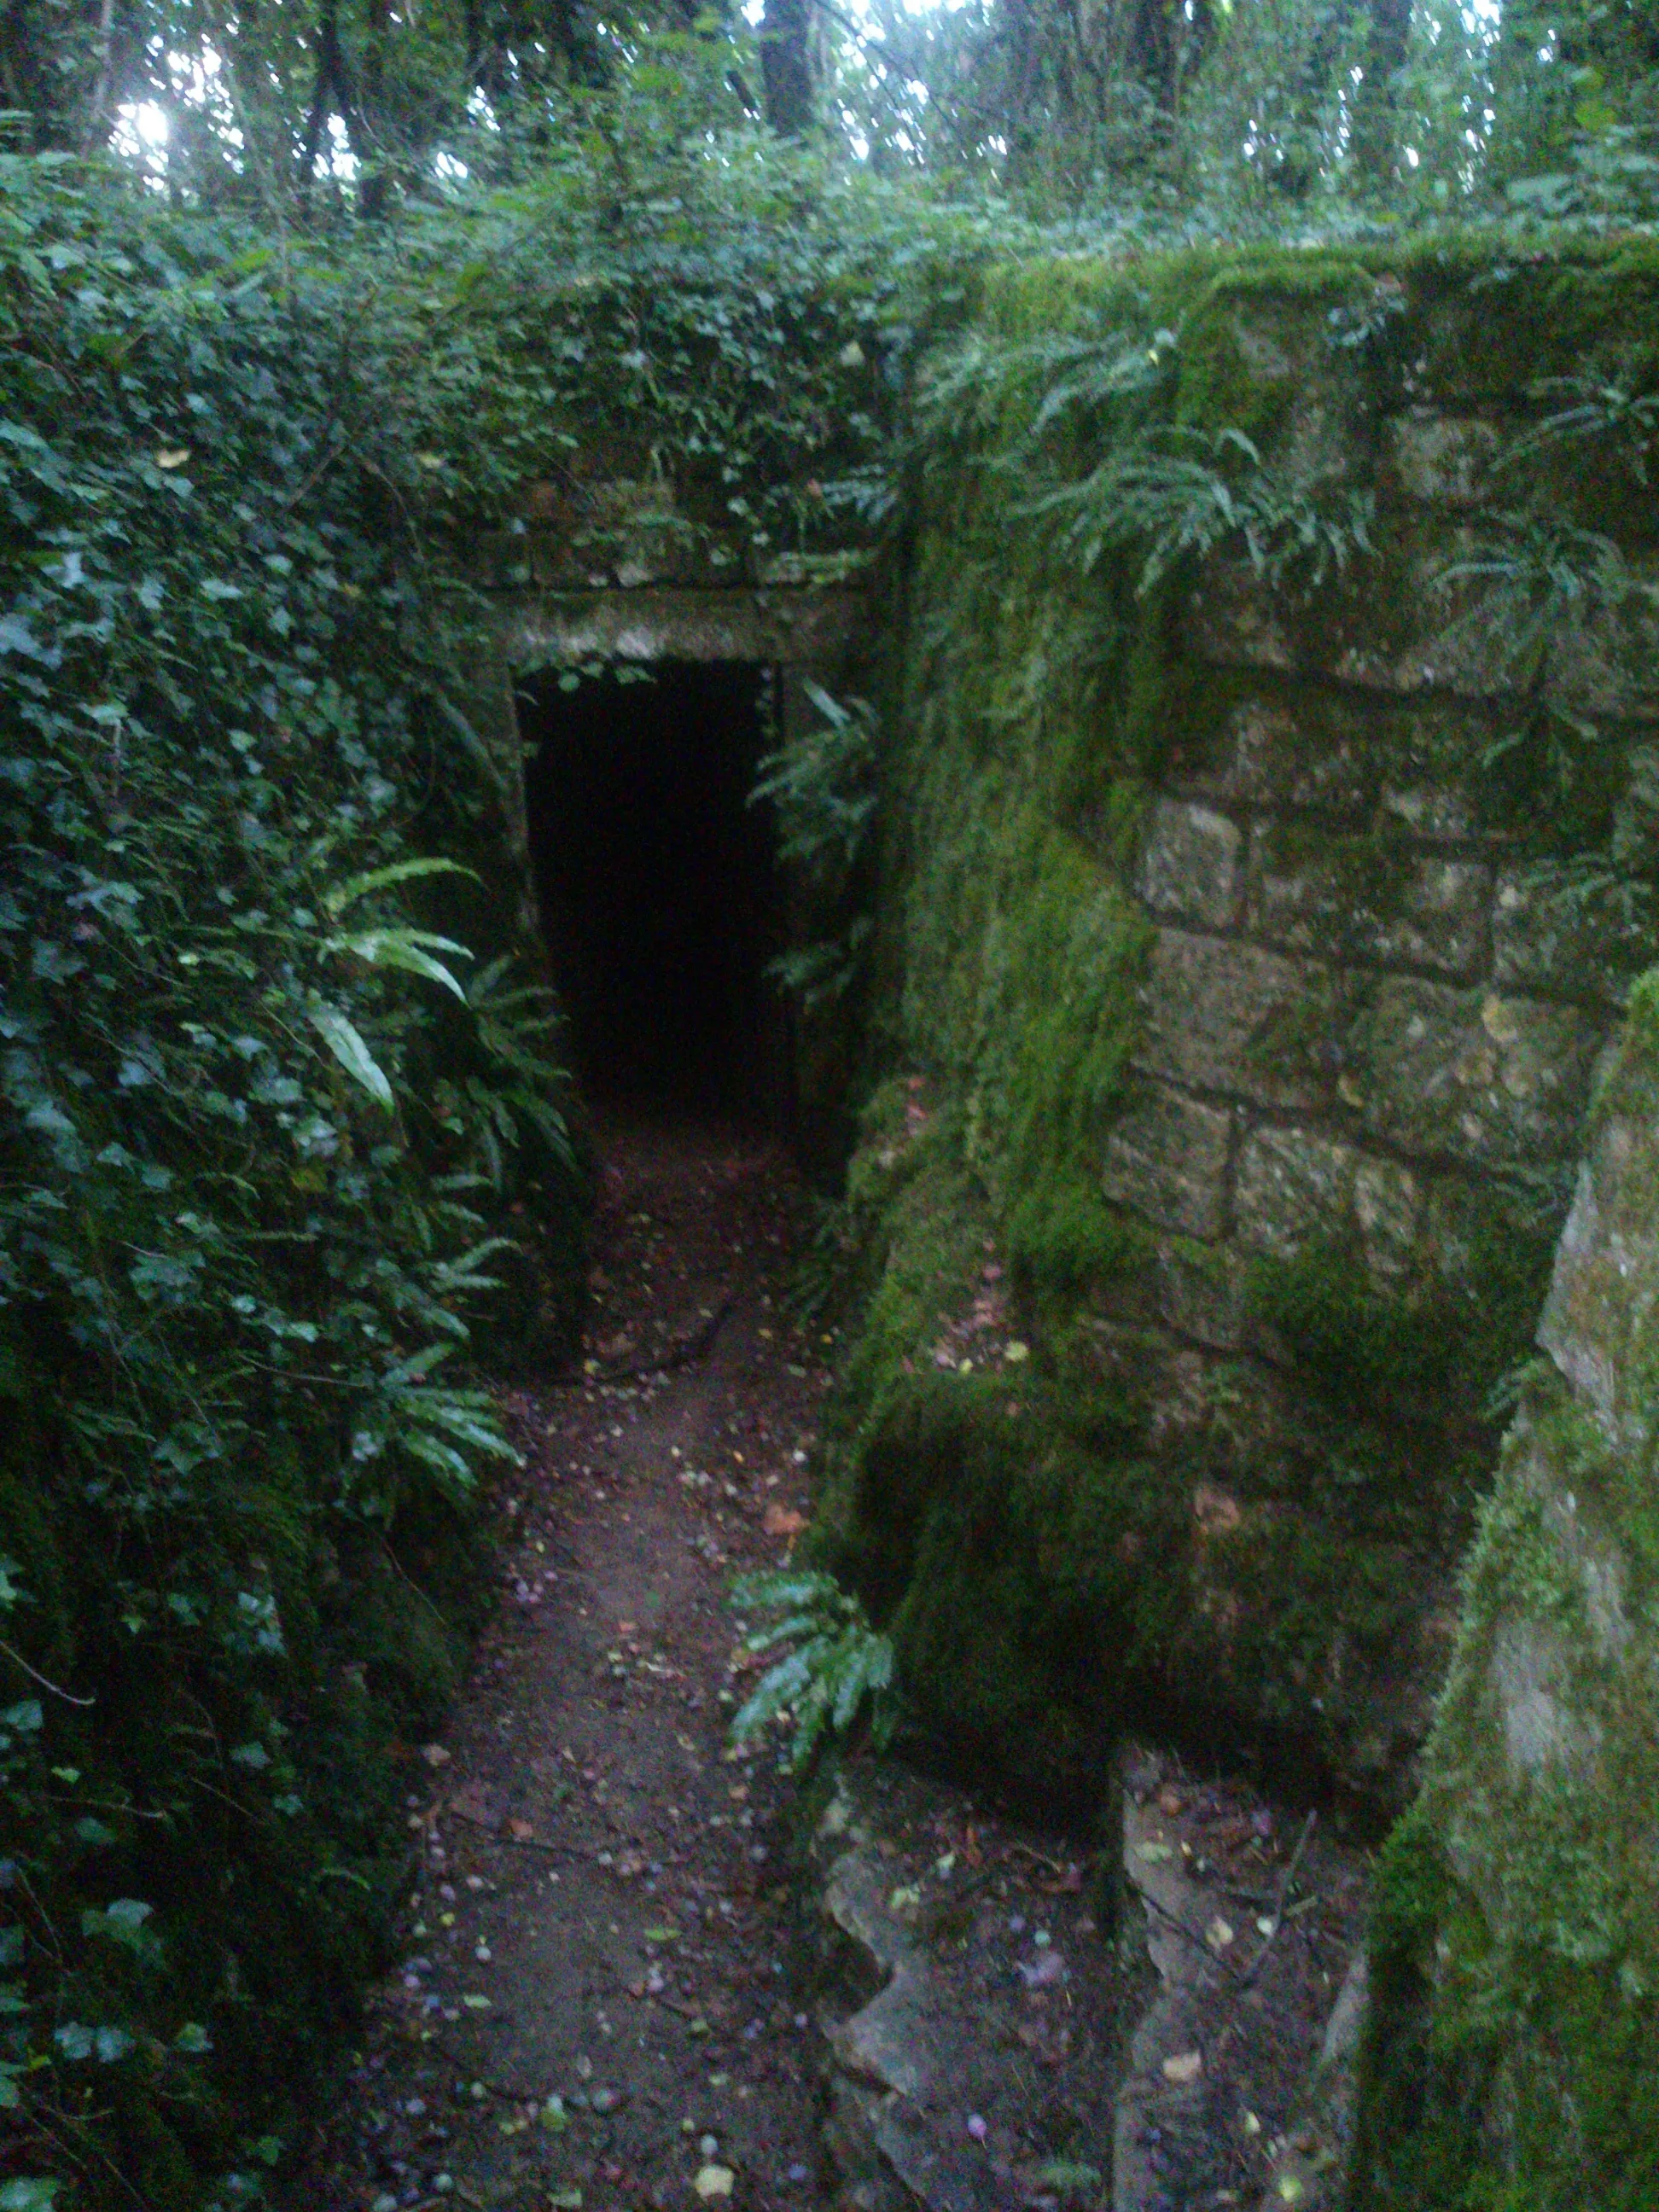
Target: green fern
pixel 835 1662
pixel 1178 493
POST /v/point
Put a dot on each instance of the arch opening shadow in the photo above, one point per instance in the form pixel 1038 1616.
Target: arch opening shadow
pixel 659 891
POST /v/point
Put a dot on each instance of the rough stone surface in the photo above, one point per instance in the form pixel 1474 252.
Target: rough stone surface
pixel 1167 1160
pixel 1441 460
pixel 1190 866
pixel 1473 1075
pixel 1232 620
pixel 1529 1864
pixel 1314 760
pixel 1231 1018
pixel 1292 1184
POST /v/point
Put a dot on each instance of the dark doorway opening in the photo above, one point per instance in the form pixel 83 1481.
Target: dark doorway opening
pixel 658 885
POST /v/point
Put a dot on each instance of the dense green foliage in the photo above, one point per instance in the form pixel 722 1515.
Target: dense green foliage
pixel 280 1109
pixel 265 1117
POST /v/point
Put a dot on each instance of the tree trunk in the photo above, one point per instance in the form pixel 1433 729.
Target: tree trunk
pixel 786 66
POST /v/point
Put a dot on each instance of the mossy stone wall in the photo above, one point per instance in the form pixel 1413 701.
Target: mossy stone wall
pixel 1514 2038
pixel 1238 1061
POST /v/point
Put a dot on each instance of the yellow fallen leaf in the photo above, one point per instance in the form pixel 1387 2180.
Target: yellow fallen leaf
pixel 1014 1352
pixel 173 457
pixel 714 2181
pixel 1290 2189
pixel 1184 2066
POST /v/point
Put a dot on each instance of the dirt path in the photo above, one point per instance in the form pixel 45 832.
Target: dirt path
pixel 593 2008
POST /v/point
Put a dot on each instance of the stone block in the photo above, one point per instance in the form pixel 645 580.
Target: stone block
pixel 1605 664
pixel 1293 1185
pixel 1235 620
pixel 1229 1017
pixel 1430 765
pixel 1367 898
pixel 1313 758
pixel 1442 918
pixel 1388 1208
pixel 1471 1075
pixel 1190 866
pixel 1167 1160
pixel 1539 945
pixel 1442 460
pixel 1200 1293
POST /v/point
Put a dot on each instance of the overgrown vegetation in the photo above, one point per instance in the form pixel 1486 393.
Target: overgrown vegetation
pixel 280 1090
pixel 266 1119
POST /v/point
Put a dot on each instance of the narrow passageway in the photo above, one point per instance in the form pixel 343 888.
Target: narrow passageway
pixel 594 2006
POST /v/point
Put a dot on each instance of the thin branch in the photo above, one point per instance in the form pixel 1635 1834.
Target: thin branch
pixel 1254 1966
pixel 35 1676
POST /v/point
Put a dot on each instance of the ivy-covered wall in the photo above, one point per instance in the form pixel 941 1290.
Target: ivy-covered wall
pixel 1268 822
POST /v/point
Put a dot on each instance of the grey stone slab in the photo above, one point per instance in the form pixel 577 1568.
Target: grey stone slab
pixel 1191 865
pixel 1293 1185
pixel 1166 1159
pixel 791 626
pixel 1226 1017
pixel 1472 1075
pixel 1367 898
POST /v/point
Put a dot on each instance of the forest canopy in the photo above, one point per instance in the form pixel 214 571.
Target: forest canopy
pixel 1168 109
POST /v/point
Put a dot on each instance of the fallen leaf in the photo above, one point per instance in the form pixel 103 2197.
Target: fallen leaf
pixel 435 1755
pixel 782 1521
pixel 1184 2066
pixel 522 1832
pixel 904 1899
pixel 714 2181
pixel 173 457
pixel 1016 1352
pixel 565 2200
pixel 1218 1934
pixel 1153 1853
pixel 1170 1802
pixel 475 2003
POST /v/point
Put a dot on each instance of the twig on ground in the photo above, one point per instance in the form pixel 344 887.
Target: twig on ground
pixel 1254 1966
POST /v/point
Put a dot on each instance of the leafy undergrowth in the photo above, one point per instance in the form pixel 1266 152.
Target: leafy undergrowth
pixel 263 1120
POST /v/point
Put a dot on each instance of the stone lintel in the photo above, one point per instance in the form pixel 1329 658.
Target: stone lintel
pixel 791 625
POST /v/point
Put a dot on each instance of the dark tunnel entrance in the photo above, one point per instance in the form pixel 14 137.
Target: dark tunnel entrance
pixel 659 891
